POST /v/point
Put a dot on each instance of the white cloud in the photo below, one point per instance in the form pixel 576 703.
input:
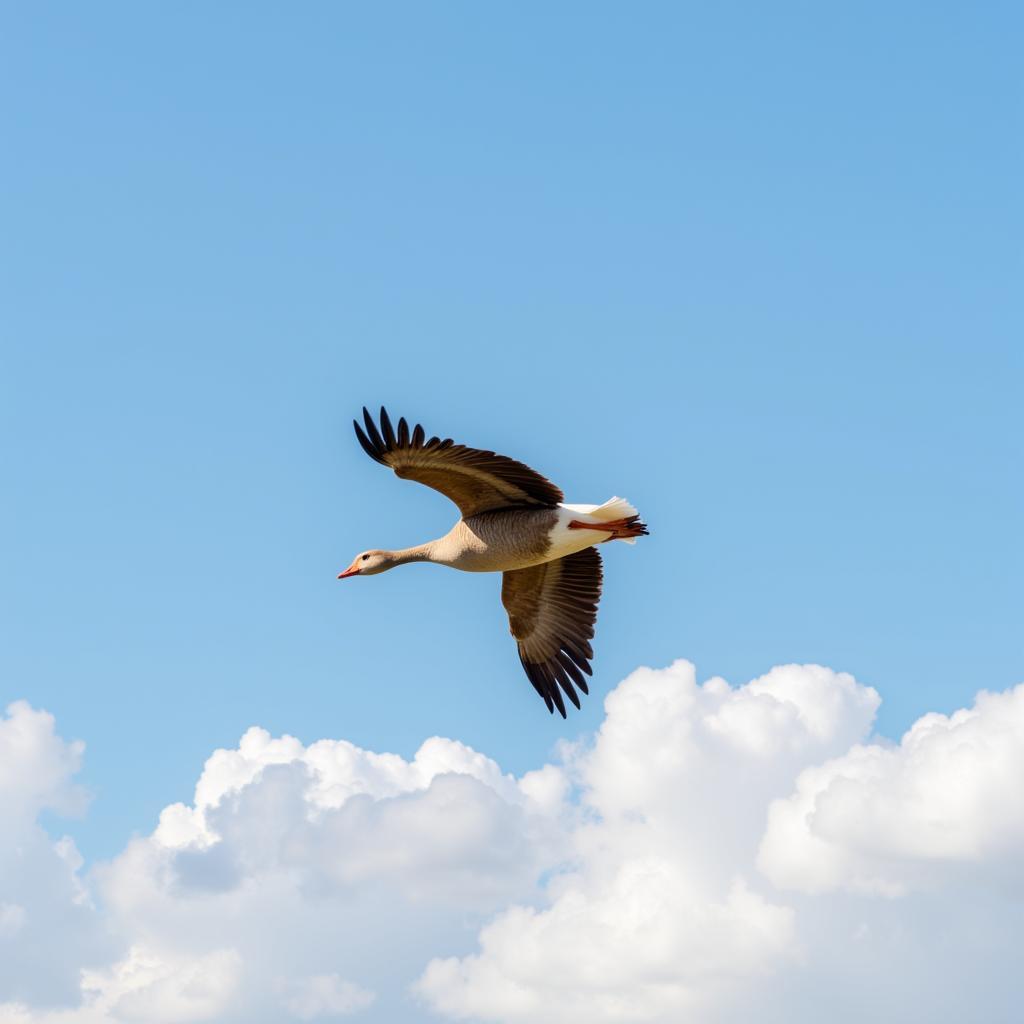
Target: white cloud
pixel 644 944
pixel 148 988
pixel 324 995
pixel 298 877
pixel 714 854
pixel 890 818
pixel 154 989
pixel 663 912
pixel 48 930
pixel 36 768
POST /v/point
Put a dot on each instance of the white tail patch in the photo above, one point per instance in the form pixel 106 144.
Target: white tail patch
pixel 612 509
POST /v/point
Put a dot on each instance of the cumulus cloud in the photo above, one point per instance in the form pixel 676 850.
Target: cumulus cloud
pixel 301 879
pixel 662 913
pixel 711 806
pixel 888 818
pixel 48 929
pixel 712 854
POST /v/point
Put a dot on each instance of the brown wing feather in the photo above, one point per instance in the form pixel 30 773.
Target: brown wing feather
pixel 551 609
pixel 476 480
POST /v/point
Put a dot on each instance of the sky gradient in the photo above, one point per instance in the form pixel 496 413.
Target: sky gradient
pixel 756 269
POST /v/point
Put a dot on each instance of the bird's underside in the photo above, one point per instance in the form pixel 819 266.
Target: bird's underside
pixel 551 604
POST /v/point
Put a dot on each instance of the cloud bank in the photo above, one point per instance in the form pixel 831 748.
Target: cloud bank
pixel 713 854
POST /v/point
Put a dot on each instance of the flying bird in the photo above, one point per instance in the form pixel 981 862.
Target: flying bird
pixel 513 522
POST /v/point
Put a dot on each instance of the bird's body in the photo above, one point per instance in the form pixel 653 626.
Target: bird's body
pixel 496 541
pixel 514 538
pixel 513 522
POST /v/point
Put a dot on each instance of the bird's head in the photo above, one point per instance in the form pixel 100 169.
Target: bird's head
pixel 369 563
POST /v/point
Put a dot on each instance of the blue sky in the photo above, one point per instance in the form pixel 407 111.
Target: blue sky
pixel 756 268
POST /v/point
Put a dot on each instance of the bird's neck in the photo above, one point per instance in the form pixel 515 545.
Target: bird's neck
pixel 419 553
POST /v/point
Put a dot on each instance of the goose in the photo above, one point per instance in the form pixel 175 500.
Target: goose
pixel 513 521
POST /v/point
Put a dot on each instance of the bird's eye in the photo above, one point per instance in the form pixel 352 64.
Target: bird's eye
pixel 365 557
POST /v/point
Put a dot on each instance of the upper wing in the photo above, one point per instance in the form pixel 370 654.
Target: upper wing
pixel 551 612
pixel 477 481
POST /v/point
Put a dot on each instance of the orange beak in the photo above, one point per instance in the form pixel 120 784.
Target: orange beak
pixel 348 572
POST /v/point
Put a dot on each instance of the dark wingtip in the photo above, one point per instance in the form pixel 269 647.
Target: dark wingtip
pixel 365 443
pixel 537 682
pixel 570 667
pixel 545 682
pixel 372 431
pixel 551 681
pixel 556 696
pixel 570 692
pixel 386 429
pixel 580 655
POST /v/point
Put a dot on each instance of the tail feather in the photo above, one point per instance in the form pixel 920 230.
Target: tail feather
pixel 621 519
pixel 613 508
